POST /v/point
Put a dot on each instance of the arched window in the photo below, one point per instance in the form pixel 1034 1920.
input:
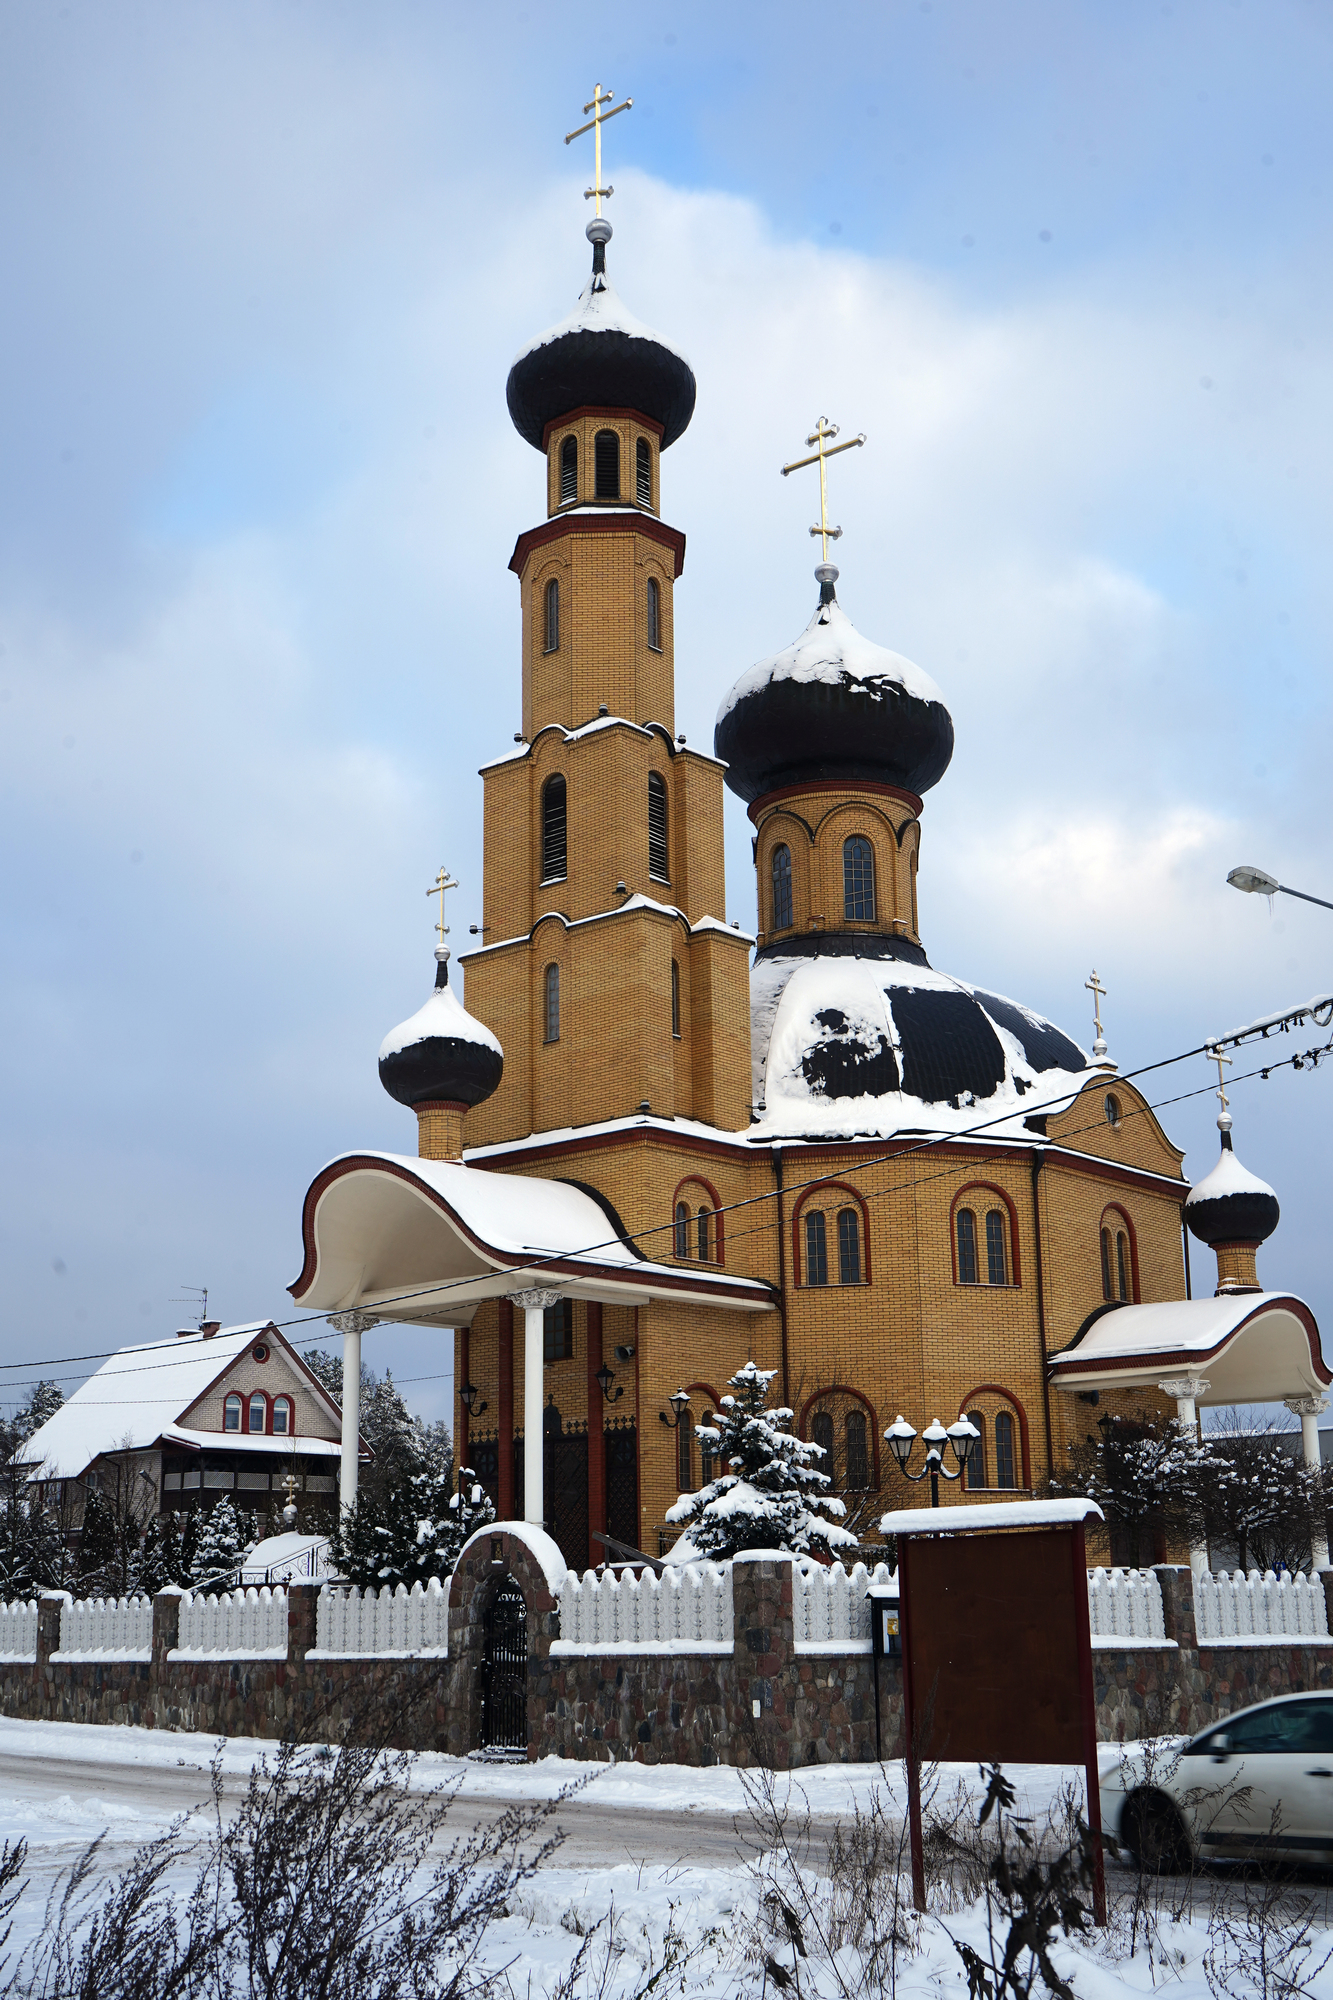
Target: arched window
pixel 551 625
pixel 282 1416
pixel 654 614
pixel 555 825
pixel 858 880
pixel 708 1462
pixel 684 1455
pixel 701 1233
pixel 997 1271
pixel 1004 1452
pixel 1122 1263
pixel 1117 1258
pixel 231 1414
pixel 821 1433
pixel 643 473
pixel 858 1456
pixel 258 1413
pixel 569 470
pixel 558 1331
pixel 675 999
pixel 966 1226
pixel 976 1457
pixel 551 1032
pixel 781 888
pixel 606 465
pixel 1108 1290
pixel 816 1249
pixel 682 1229
pixel 657 827
pixel 849 1247
pixel 1111 1108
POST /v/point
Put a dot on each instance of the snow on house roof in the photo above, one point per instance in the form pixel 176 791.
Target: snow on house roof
pixel 298 1444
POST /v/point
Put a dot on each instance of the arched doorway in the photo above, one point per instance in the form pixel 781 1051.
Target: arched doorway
pixel 504 1670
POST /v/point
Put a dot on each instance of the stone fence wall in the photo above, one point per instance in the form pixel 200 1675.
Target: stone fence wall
pixel 765 1699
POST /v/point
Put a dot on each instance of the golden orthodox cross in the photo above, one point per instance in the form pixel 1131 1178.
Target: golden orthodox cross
pixel 594 125
pixel 820 436
pixel 1216 1054
pixel 444 880
pixel 1098 992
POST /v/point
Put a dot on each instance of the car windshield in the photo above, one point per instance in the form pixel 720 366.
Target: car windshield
pixel 1290 1726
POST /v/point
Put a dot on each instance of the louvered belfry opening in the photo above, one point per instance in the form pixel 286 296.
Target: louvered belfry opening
pixel 555 848
pixel 657 828
pixel 643 473
pixel 569 470
pixel 606 465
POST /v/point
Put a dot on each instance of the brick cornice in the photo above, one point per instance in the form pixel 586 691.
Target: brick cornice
pixel 646 525
pixel 846 787
pixel 601 410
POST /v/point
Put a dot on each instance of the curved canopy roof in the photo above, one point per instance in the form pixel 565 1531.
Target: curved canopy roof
pixel 1250 1347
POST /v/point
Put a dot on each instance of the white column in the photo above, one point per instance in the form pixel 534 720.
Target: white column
pixel 1309 1409
pixel 534 1306
pixel 1187 1390
pixel 351 1325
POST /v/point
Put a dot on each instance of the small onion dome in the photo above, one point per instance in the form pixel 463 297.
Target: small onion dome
pixel 833 706
pixel 600 357
pixel 441 1055
pixel 1231 1205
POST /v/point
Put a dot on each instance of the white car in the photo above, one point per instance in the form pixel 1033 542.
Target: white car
pixel 1260 1781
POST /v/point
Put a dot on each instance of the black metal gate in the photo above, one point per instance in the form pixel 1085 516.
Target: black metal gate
pixel 622 1480
pixel 504 1670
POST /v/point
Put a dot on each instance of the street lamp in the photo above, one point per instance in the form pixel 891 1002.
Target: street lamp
pixel 960 1436
pixel 604 1378
pixel 680 1402
pixel 467 1396
pixel 1258 882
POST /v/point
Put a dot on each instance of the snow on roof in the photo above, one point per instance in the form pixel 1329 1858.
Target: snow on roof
pixel 989 1514
pixel 600 310
pixel 519 1214
pixel 1172 1326
pixel 296 1444
pixel 832 650
pixel 1245 1347
pixel 442 1015
pixel 541 1546
pixel 1227 1177
pixel 637 901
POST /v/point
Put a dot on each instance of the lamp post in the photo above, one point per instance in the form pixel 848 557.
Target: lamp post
pixel 901 1438
pixel 1258 882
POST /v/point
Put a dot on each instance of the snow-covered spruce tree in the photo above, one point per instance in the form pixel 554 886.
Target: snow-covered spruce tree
pixel 771 1493
pixel 1147 1474
pixel 32 1554
pixel 410 1533
pixel 222 1543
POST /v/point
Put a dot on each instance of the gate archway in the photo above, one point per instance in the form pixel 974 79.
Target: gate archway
pixel 504 1670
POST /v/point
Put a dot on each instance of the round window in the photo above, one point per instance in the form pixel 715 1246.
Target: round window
pixel 1111 1106
pixel 260 1353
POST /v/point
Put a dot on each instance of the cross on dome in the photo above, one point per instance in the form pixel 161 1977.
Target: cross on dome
pixel 594 125
pixel 443 882
pixel 1098 992
pixel 1219 1056
pixel 819 437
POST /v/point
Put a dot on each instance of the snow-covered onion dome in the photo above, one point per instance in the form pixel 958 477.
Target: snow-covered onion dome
pixel 833 706
pixel 1231 1205
pixel 600 357
pixel 441 1055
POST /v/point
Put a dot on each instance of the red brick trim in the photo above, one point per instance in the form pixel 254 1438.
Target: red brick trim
pixel 717 1219
pixel 597 410
pixel 1007 1396
pixel 1114 1208
pixel 959 1201
pixel 599 524
pixel 815 1194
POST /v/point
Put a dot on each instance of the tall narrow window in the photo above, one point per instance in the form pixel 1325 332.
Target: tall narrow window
pixel 657 827
pixel 858 1457
pixel 258 1413
pixel 1108 1290
pixel 1122 1263
pixel 555 825
pixel 966 1224
pixel 551 625
pixel 282 1416
pixel 606 465
pixel 997 1272
pixel 821 1433
pixel 976 1457
pixel 552 1004
pixel 701 1225
pixel 1004 1452
pixel 781 888
pixel 816 1249
pixel 849 1247
pixel 682 1230
pixel 858 881
pixel 684 1456
pixel 675 999
pixel 231 1414
pixel 569 470
pixel 654 614
pixel 643 473
pixel 708 1465
pixel 558 1331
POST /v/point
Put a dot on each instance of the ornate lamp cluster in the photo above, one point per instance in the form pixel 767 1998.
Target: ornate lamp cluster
pixel 960 1437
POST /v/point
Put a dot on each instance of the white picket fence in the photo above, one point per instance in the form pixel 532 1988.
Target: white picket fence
pixel 18 1631
pixel 830 1609
pixel 238 1625
pixel 685 1610
pixel 1259 1607
pixel 385 1624
pixel 102 1628
pixel 1125 1608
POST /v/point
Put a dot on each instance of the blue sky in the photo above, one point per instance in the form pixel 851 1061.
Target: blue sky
pixel 266 266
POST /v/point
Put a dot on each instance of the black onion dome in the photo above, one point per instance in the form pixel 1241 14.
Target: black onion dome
pixel 603 357
pixel 441 1055
pixel 1232 1205
pixel 833 706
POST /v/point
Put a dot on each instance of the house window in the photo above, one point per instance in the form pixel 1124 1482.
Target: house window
pixel 684 1456
pixel 643 473
pixel 821 1433
pixel 965 1224
pixel 258 1413
pixel 1111 1107
pixel 976 1457
pixel 282 1416
pixel 858 881
pixel 569 470
pixel 552 1004
pixel 682 1229
pixel 231 1414
pixel 701 1232
pixel 551 627
pixel 606 465
pixel 849 1247
pixel 657 827
pixel 996 1262
pixel 558 1331
pixel 858 1455
pixel 675 999
pixel 1004 1452
pixel 1117 1265
pixel 654 614
pixel 1122 1262
pixel 555 823
pixel 816 1249
pixel 781 888
pixel 1108 1290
